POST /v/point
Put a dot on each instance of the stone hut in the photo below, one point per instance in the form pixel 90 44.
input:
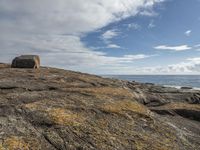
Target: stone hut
pixel 26 61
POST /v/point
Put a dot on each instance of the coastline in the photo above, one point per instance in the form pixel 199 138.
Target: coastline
pixel 189 82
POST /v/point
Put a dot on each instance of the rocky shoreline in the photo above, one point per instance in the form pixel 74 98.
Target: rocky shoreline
pixel 54 109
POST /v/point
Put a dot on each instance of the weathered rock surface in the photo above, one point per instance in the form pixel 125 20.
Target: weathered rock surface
pixel 2 65
pixel 51 109
pixel 26 61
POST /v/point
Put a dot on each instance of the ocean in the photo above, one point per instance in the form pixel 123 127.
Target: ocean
pixel 165 80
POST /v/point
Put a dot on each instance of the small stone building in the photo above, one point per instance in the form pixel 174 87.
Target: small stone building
pixel 26 61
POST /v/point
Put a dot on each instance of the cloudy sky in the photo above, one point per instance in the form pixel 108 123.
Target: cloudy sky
pixel 104 36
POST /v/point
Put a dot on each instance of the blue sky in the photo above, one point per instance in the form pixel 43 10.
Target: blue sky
pixel 104 36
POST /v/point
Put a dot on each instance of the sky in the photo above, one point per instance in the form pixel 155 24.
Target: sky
pixel 104 36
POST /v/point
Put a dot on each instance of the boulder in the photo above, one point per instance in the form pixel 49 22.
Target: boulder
pixel 26 61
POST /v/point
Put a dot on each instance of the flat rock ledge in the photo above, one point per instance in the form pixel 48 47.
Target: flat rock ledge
pixel 54 109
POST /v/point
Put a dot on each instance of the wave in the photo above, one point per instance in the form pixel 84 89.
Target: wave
pixel 182 87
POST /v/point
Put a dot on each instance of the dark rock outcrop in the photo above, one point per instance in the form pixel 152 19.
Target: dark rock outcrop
pixel 26 61
pixel 49 109
pixel 186 88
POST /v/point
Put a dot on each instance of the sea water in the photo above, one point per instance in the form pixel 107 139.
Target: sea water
pixel 165 80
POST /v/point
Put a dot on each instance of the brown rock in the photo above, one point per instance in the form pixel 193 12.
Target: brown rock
pixel 55 109
pixel 26 61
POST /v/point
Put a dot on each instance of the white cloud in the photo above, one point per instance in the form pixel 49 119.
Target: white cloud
pixel 134 26
pixel 151 24
pixel 194 59
pixel 53 29
pixel 189 66
pixel 131 58
pixel 198 45
pixel 188 32
pixel 148 13
pixel 113 46
pixel 110 34
pixel 173 48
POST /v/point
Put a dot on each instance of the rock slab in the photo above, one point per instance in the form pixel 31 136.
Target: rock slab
pixel 54 109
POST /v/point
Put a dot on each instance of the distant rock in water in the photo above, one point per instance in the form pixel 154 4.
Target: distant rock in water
pixel 186 88
pixel 26 61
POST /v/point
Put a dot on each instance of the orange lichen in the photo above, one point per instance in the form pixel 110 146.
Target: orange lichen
pixel 65 117
pixel 15 143
pixel 126 105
